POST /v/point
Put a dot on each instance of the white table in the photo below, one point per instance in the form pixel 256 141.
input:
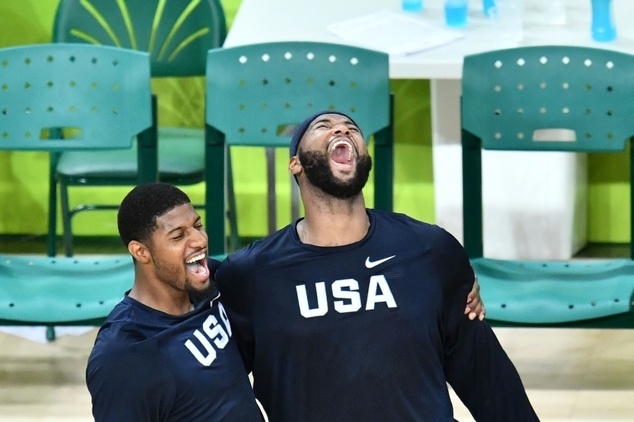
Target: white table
pixel 283 20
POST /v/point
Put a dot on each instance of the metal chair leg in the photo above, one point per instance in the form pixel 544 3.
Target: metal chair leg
pixel 51 240
pixel 232 215
pixel 66 219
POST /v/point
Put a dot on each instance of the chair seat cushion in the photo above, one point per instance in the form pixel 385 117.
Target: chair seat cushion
pixel 550 292
pixel 38 289
pixel 181 152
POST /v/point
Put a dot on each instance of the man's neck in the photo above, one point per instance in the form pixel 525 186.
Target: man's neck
pixel 334 223
pixel 157 297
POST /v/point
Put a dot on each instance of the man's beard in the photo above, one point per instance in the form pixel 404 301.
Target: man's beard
pixel 316 166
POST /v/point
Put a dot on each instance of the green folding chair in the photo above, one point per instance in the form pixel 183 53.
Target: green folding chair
pixel 72 97
pixel 177 34
pixel 257 94
pixel 548 98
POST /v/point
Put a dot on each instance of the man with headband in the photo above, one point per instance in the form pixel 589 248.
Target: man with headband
pixel 353 314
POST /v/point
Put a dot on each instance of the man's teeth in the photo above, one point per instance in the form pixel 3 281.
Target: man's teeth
pixel 344 143
pixel 196 258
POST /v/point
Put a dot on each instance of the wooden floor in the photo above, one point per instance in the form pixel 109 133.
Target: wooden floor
pixel 570 375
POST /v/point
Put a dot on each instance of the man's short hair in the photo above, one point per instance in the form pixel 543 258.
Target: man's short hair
pixel 143 205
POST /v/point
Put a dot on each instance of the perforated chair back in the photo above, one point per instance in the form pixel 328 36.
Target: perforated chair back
pixel 72 97
pixel 257 94
pixel 176 33
pixel 548 98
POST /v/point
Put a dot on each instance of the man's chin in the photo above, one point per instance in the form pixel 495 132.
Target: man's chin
pixel 201 291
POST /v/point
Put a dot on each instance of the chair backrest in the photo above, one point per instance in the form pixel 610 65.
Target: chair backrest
pixel 256 94
pixel 176 33
pixel 545 98
pixel 549 98
pixel 56 97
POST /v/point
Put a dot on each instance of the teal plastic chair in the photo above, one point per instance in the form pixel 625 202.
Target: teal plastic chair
pixel 257 94
pixel 72 97
pixel 177 34
pixel 549 98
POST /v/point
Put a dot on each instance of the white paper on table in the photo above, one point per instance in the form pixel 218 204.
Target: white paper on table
pixel 392 33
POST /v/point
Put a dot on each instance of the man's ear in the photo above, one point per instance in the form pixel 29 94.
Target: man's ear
pixel 139 251
pixel 294 166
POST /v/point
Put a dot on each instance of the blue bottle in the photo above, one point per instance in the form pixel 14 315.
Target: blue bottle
pixel 412 5
pixel 487 5
pixel 602 23
pixel 456 13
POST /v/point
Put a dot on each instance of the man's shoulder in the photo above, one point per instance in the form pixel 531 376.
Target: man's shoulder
pixel 117 336
pixel 113 348
pixel 400 219
pixel 398 224
pixel 274 243
pixel 126 326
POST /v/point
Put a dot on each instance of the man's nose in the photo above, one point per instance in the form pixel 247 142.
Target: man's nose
pixel 198 237
pixel 341 128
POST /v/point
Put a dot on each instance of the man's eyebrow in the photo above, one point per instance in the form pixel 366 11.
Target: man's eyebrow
pixel 347 122
pixel 322 120
pixel 197 220
pixel 174 229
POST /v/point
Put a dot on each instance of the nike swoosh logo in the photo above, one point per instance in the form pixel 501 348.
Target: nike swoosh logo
pixel 372 264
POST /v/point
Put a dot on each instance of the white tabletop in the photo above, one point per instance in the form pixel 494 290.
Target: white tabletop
pixel 301 20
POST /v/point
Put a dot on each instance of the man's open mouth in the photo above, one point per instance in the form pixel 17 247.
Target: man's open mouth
pixel 197 264
pixel 341 152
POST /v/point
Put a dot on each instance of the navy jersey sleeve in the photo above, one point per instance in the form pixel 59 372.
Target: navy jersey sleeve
pixel 236 293
pixel 127 385
pixel 475 364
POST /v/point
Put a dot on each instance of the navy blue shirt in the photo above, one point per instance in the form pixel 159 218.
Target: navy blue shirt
pixel 371 331
pixel 150 366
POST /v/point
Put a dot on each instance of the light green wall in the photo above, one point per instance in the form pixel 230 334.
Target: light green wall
pixel 23 176
pixel 609 197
